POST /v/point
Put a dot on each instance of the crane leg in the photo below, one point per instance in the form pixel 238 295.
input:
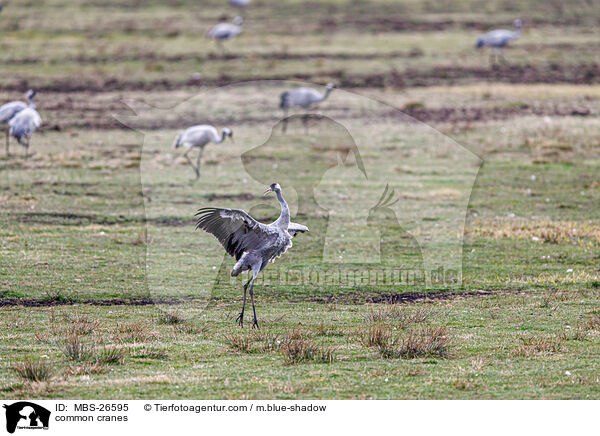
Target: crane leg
pixel 198 162
pixel 501 57
pixel 255 320
pixel 7 143
pixel 305 123
pixel 285 121
pixel 240 318
pixel 191 163
pixel 221 47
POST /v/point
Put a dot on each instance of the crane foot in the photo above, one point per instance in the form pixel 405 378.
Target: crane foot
pixel 255 324
pixel 240 319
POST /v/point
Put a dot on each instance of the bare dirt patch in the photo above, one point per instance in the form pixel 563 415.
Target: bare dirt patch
pixel 442 75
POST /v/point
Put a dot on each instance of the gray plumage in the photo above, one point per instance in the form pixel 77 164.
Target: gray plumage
pixel 251 243
pixel 224 31
pixel 198 137
pixel 239 3
pixel 302 97
pixel 498 39
pixel 9 110
pixel 22 126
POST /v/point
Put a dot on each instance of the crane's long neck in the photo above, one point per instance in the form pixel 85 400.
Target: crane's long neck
pixel 284 218
pixel 31 102
pixel 218 139
pixel 517 32
pixel 327 92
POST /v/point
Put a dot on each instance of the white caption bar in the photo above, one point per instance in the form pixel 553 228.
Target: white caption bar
pixel 160 417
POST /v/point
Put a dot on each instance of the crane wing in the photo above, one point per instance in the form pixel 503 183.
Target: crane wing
pixel 237 231
pixel 294 228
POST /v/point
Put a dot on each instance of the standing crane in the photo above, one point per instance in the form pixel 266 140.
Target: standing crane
pixel 253 244
pixel 198 137
pixel 9 110
pixel 224 31
pixel 302 97
pixel 498 39
pixel 22 126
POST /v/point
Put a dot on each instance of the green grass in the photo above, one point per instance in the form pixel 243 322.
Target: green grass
pixel 509 345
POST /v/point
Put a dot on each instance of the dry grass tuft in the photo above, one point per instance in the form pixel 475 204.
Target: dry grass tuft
pixel 133 332
pixel 575 334
pixel 375 335
pixel 238 341
pixel 80 324
pixel 109 356
pixel 171 317
pixel 465 384
pixel 539 345
pixel 424 342
pixel 148 353
pixel 297 347
pixel 593 322
pixel 78 351
pixel 262 341
pixel 401 315
pixel 84 368
pixel 267 340
pixel 75 349
pixel 33 370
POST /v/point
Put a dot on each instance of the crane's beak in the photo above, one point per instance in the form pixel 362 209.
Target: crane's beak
pixel 267 191
pixel 231 137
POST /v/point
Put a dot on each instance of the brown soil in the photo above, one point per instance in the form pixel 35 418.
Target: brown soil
pixel 402 298
pixel 279 56
pixel 48 302
pixel 443 75
pixel 97 120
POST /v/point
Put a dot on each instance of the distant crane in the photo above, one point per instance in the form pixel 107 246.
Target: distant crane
pixel 9 110
pixel 22 126
pixel 239 3
pixel 498 39
pixel 224 31
pixel 302 97
pixel 253 244
pixel 198 137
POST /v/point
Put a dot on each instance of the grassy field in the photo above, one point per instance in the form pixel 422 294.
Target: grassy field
pixel 108 292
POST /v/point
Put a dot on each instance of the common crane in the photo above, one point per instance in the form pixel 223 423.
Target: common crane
pixel 198 137
pixel 253 244
pixel 498 39
pixel 9 110
pixel 239 3
pixel 22 126
pixel 224 31
pixel 302 97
